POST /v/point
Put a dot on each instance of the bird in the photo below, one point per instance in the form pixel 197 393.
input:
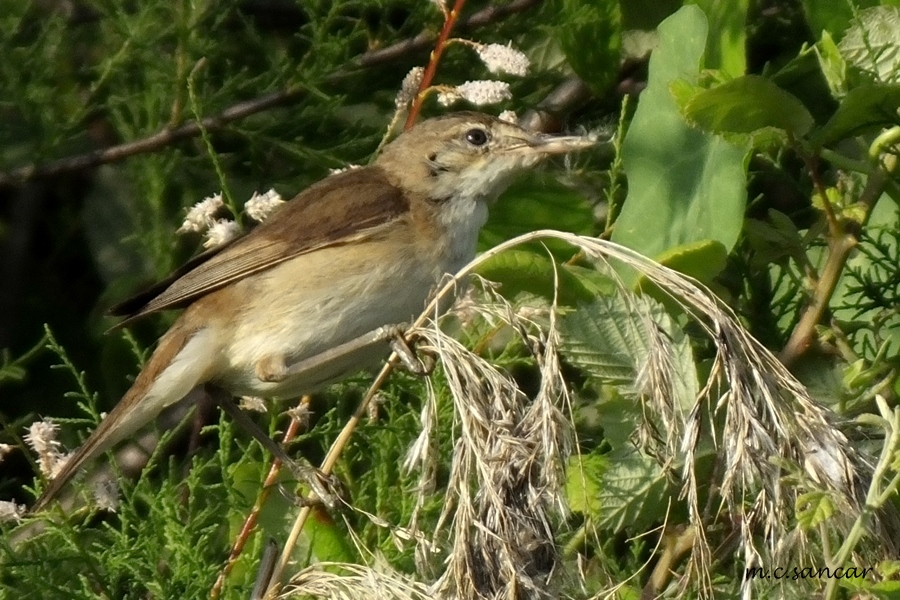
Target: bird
pixel 303 299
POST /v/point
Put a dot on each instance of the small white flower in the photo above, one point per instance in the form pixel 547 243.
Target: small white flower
pixel 509 116
pixel 221 232
pixel 106 494
pixel 11 512
pixel 343 169
pixel 201 216
pixel 253 403
pixel 410 87
pixel 503 59
pixel 260 206
pixel 477 92
pixel 300 413
pixel 58 464
pixel 41 437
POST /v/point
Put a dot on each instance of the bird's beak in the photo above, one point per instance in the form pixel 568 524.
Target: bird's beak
pixel 544 145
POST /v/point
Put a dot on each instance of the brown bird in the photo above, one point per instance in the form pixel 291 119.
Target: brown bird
pixel 298 302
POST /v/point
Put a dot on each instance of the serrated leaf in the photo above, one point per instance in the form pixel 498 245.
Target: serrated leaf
pixel 684 185
pixel 610 341
pixel 583 481
pixel 813 509
pixel 872 44
pixel 748 104
pixel 604 340
pixel 633 492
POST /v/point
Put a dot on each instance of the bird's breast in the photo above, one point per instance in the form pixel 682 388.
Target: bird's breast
pixel 322 299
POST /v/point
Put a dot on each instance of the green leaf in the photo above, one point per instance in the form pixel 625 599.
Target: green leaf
pixel 591 36
pixel 867 107
pixel 521 271
pixel 702 260
pixel 872 44
pixel 633 492
pixel 814 508
pixel 747 104
pixel 726 44
pixel 604 339
pixel 684 185
pixel 609 340
pixel 538 201
pixel 583 482
pixel 832 64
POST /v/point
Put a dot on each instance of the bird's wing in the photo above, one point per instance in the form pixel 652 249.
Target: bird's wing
pixel 340 209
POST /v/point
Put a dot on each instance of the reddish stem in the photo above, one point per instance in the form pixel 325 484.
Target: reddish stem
pixel 250 522
pixel 428 77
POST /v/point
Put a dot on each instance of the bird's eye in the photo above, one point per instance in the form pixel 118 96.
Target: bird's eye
pixel 477 137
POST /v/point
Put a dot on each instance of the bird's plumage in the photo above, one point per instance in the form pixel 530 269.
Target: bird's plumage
pixel 352 253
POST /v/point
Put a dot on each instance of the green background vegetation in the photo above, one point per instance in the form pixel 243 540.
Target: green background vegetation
pixel 756 152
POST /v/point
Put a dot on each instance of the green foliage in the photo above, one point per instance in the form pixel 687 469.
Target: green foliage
pixel 763 164
pixel 591 39
pixel 685 186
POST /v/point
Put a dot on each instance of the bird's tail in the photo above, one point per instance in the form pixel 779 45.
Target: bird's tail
pixel 182 361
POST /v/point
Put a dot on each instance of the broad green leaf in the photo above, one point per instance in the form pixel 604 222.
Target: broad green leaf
pixel 747 104
pixel 872 44
pixel 684 185
pixel 610 340
pixel 727 41
pixel 583 480
pixel 533 272
pixel 534 202
pixel 633 492
pixel 702 260
pixel 590 34
pixel 867 107
pixel 813 508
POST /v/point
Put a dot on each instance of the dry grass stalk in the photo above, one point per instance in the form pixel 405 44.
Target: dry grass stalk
pixel 505 490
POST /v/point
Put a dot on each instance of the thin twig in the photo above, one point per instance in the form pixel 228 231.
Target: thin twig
pixel 170 135
pixel 156 141
pixel 252 518
pixel 839 249
pixel 449 21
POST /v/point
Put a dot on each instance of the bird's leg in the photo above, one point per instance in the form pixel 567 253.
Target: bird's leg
pixel 415 361
pixel 323 485
pixel 274 369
